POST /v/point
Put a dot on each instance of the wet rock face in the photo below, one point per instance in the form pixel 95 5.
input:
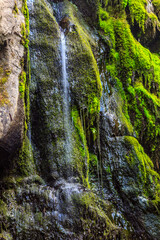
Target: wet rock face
pixel 66 211
pixel 66 24
pixel 124 179
pixel 47 90
pixel 71 199
pixel 46 93
pixel 11 53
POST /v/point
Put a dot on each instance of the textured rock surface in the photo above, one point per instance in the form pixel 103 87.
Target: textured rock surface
pixel 11 54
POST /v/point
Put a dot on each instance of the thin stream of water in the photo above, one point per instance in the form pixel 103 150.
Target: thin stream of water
pixel 67 123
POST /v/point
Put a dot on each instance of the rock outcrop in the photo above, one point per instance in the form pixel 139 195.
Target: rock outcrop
pixel 11 58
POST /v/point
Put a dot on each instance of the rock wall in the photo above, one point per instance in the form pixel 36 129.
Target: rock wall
pixel 11 55
pixel 96 176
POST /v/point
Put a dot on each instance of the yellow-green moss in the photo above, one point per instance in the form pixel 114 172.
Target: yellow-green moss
pixel 136 74
pixel 138 12
pixel 4 74
pixel 15 9
pixel 156 4
pixel 3 207
pixel 25 12
pixel 82 167
pixel 22 83
pixel 24 33
pixel 91 77
pixel 147 175
pixel 6 236
pixel 25 160
pixel 94 214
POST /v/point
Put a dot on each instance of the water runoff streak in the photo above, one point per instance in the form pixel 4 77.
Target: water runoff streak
pixel 67 122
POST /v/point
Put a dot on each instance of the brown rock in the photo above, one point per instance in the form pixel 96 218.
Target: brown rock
pixel 11 53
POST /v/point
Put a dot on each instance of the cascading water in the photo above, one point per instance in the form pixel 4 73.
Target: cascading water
pixel 67 123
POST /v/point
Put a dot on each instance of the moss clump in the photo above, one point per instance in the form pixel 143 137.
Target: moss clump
pixel 3 208
pixel 25 26
pixel 6 236
pixel 45 20
pixel 138 12
pixel 25 12
pixel 156 4
pixel 15 9
pixel 24 33
pixel 149 180
pixel 95 222
pixel 82 166
pixel 25 161
pixel 144 161
pixel 4 74
pixel 22 84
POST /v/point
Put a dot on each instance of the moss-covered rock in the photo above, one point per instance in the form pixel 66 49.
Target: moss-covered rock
pixel 77 178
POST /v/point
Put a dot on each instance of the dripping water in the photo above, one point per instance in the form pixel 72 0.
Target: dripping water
pixel 66 115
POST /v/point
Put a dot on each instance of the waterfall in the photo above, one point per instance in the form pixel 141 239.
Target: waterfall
pixel 67 122
pixel 64 71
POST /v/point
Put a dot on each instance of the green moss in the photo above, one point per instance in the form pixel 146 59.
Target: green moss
pixel 25 12
pixel 82 167
pixel 143 158
pixel 88 65
pixel 138 12
pixel 93 167
pixel 149 179
pixel 25 161
pixel 24 33
pixel 87 203
pixel 22 84
pixel 135 73
pixel 146 114
pixel 45 19
pixel 3 207
pixel 156 4
pixel 95 219
pixel 4 75
pixel 25 26
pixel 6 236
pixel 131 54
pixel 134 70
pixel 107 26
pixel 15 9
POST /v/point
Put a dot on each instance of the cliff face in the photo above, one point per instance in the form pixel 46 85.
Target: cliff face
pixel 79 153
pixel 11 55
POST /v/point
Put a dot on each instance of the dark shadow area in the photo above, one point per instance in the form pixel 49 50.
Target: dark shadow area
pixel 4 161
pixel 154 45
pixel 149 39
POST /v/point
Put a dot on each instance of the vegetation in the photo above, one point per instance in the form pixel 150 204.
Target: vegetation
pixel 135 71
pixel 15 9
pixel 4 74
pixel 25 159
pixel 116 151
